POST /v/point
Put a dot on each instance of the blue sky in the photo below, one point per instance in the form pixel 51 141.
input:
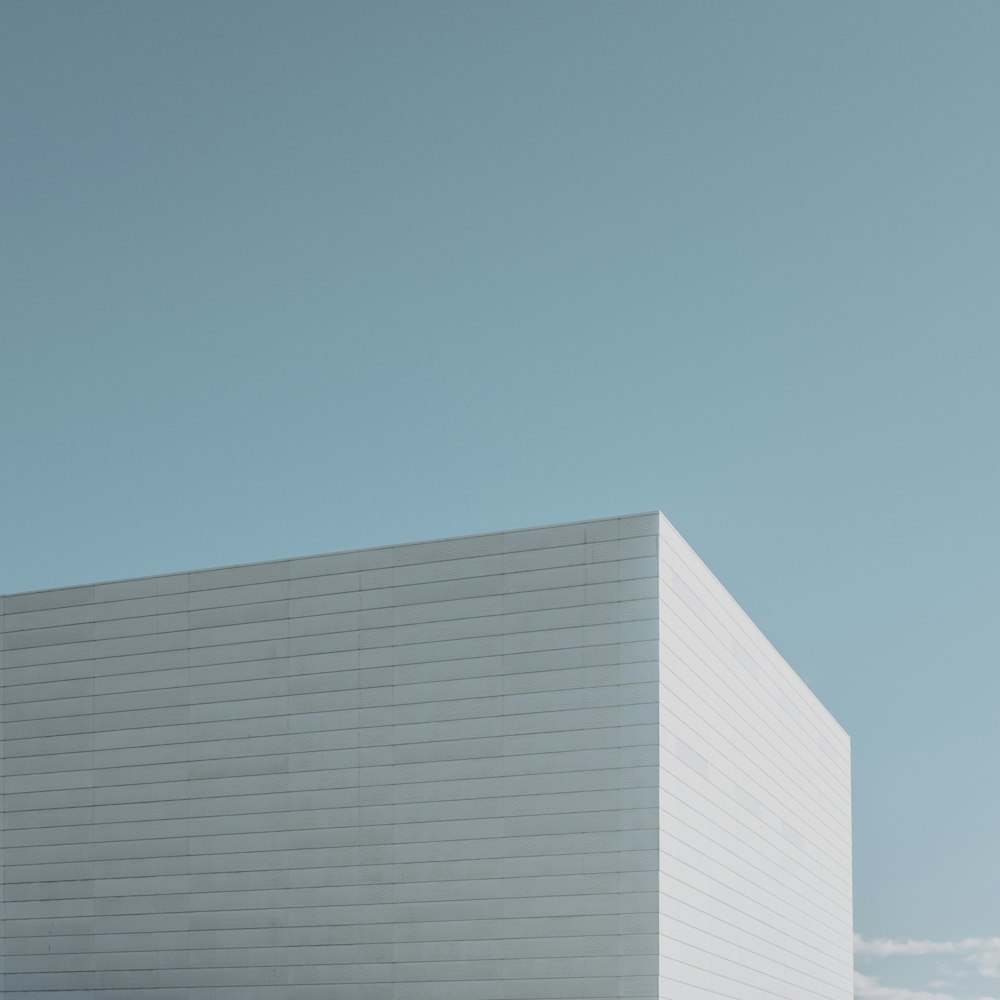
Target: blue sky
pixel 287 278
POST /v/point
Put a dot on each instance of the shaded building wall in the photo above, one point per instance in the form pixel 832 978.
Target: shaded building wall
pixel 424 772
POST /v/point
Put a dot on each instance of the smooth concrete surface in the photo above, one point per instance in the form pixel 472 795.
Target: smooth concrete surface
pixel 550 764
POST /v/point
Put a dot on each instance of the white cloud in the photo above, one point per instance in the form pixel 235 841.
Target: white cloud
pixel 986 958
pixel 884 947
pixel 869 988
pixel 982 953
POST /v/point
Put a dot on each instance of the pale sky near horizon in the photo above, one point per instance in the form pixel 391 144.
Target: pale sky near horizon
pixel 280 278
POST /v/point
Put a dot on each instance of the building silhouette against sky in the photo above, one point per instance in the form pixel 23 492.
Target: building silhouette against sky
pixel 550 764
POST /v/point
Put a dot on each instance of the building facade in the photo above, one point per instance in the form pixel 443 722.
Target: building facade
pixel 550 764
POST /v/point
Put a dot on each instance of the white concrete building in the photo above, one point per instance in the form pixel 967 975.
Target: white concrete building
pixel 550 764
